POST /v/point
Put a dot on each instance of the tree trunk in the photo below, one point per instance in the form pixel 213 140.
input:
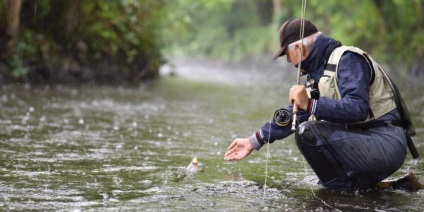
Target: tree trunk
pixel 71 19
pixel 277 10
pixel 282 12
pixel 63 21
pixel 9 22
pixel 265 11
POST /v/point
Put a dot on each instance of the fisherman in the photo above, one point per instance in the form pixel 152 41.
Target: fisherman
pixel 352 126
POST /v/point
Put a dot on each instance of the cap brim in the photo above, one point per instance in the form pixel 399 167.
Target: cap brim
pixel 280 53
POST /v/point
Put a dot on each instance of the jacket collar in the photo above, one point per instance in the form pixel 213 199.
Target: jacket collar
pixel 316 61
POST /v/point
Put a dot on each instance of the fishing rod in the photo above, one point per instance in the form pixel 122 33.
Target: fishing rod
pixel 302 32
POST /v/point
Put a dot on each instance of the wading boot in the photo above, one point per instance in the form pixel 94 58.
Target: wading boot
pixel 408 182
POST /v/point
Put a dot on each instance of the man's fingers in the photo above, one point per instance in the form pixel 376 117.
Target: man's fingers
pixel 228 153
pixel 232 145
pixel 232 156
pixel 228 156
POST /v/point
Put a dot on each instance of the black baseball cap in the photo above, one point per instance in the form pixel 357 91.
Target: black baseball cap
pixel 290 32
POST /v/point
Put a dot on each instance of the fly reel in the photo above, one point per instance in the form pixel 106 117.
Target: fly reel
pixel 282 117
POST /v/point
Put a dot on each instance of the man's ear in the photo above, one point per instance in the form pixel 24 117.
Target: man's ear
pixel 302 47
pixel 299 47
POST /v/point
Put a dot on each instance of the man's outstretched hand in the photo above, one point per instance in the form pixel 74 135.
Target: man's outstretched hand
pixel 239 149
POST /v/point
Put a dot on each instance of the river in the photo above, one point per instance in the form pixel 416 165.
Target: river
pixel 121 148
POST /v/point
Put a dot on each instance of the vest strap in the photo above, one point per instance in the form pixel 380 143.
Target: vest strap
pixel 372 78
pixel 331 67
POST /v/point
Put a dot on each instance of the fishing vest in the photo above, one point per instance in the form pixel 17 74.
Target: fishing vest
pixel 381 97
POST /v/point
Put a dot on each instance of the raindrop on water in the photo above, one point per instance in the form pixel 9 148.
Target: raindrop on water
pixel 118 146
pixel 146 182
pixel 4 98
pixel 105 197
pixel 74 92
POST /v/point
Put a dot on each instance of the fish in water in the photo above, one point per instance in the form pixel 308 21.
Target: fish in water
pixel 194 166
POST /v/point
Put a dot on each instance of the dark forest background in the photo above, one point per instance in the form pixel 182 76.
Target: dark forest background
pixel 127 41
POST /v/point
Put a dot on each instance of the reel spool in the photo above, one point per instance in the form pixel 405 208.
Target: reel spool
pixel 282 117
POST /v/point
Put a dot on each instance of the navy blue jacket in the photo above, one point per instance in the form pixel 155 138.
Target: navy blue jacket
pixel 353 82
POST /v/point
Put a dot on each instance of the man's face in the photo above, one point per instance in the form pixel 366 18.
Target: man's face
pixel 293 54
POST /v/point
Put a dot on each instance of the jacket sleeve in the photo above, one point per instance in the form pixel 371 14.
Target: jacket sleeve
pixel 353 82
pixel 270 131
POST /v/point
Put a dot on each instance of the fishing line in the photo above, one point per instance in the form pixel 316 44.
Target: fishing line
pixel 312 190
pixel 267 156
pixel 302 33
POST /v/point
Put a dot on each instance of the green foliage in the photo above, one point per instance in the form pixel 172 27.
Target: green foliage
pixel 392 30
pixel 25 48
pixel 127 38
pixel 230 30
pixel 124 29
pixel 18 69
pixel 117 39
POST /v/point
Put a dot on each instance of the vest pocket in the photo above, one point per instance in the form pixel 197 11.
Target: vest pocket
pixel 327 87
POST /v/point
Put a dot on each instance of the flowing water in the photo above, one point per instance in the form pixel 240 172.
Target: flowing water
pixel 118 148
